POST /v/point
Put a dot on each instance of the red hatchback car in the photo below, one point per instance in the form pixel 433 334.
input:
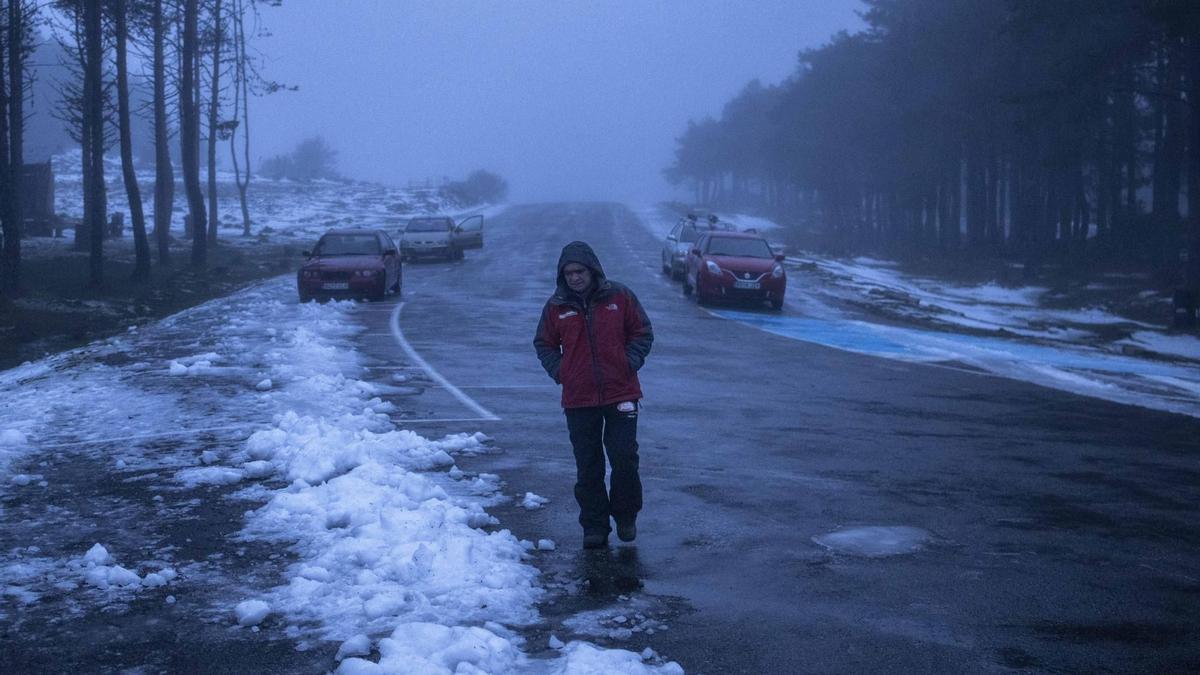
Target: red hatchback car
pixel 350 263
pixel 734 266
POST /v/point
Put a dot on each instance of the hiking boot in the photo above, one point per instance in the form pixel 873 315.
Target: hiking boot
pixel 596 540
pixel 627 531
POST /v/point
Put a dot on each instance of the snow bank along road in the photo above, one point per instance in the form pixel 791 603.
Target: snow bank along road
pixel 256 485
pixel 239 489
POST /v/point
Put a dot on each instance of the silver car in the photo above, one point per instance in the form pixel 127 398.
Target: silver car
pixel 439 236
pixel 680 239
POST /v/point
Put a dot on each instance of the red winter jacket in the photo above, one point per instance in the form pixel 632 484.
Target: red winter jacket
pixel 593 346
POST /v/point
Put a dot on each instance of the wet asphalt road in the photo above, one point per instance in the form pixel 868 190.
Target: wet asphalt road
pixel 1065 529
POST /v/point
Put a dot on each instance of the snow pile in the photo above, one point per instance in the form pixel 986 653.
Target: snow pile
pixel 581 658
pixel 251 612
pixel 194 365
pixel 533 501
pixel 98 568
pixel 433 648
pixel 12 437
pixel 420 647
pixel 1177 346
pixel 386 535
pixel 386 530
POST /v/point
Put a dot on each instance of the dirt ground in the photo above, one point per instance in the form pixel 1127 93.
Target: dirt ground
pixel 57 309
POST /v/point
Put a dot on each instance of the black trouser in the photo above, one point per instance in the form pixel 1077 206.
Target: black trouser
pixel 592 431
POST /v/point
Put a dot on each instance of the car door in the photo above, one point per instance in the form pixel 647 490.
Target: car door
pixel 695 259
pixel 470 232
pixel 391 259
pixel 669 245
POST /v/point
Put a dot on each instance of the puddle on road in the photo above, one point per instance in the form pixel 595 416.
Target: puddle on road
pixel 875 541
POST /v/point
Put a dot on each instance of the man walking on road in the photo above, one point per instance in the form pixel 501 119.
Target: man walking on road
pixel 592 338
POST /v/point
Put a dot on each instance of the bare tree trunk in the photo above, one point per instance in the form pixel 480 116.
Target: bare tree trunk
pixel 141 246
pixel 977 195
pixel 213 108
pixel 241 96
pixel 94 138
pixel 189 134
pixel 164 173
pixel 17 28
pixel 1192 270
pixel 7 222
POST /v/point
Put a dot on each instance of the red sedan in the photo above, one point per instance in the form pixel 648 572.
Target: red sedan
pixel 350 263
pixel 735 266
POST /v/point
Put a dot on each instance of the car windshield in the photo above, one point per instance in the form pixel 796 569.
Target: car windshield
pixel 746 248
pixel 348 244
pixel 427 225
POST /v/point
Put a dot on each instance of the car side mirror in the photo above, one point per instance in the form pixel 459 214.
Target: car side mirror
pixel 307 254
pixel 780 257
pixel 695 251
pixel 671 237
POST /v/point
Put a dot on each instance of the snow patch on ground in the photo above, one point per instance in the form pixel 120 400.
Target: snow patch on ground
pixel 870 306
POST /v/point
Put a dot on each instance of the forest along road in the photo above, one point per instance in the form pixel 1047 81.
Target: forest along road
pixel 974 523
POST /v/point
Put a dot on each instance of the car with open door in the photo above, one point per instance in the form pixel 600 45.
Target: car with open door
pixel 679 241
pixel 470 232
pixel 351 263
pixel 440 237
pixel 735 266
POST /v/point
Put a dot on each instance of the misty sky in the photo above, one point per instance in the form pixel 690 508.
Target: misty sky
pixel 565 99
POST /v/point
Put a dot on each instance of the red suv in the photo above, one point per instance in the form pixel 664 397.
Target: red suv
pixel 352 263
pixel 734 266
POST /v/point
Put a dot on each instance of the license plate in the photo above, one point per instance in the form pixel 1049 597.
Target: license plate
pixel 745 284
pixel 336 286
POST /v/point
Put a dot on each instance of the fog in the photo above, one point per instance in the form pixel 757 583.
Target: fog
pixel 566 100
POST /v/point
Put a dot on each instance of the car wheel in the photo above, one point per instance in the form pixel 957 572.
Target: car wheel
pixel 777 303
pixel 305 298
pixel 676 274
pixel 666 267
pixel 700 299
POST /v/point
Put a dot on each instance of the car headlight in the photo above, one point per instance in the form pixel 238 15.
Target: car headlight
pixel 367 273
pixel 712 267
pixel 310 274
pixel 777 271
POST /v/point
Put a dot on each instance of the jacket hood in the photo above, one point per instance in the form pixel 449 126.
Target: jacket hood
pixel 578 252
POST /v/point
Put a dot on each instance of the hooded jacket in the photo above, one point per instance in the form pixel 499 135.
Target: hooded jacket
pixel 593 344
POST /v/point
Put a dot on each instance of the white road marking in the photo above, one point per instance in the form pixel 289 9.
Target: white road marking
pixel 434 374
